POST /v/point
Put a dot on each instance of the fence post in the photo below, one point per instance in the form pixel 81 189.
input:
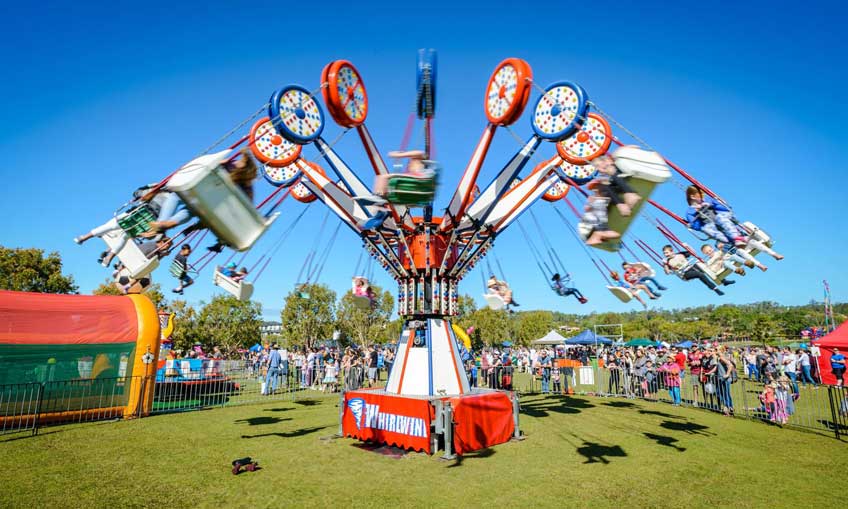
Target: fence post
pixel 745 397
pixel 38 408
pixel 516 408
pixel 833 411
pixel 447 415
pixel 139 409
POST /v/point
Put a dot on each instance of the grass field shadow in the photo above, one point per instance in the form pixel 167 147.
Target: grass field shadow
pixel 262 420
pixel 660 414
pixel 619 404
pixel 542 407
pixel 664 440
pixel 484 453
pixel 289 434
pixel 832 425
pixel 692 428
pixel 598 453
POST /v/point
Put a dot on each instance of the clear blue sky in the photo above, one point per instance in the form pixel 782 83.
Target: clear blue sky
pixel 98 99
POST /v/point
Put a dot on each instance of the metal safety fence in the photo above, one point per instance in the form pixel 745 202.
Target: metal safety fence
pixel 235 382
pixel 789 403
pixel 26 407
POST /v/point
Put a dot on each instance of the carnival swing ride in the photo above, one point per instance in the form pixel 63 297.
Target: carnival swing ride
pixel 426 254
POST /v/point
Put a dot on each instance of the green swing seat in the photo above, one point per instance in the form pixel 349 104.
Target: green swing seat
pixel 407 190
pixel 178 269
pixel 137 221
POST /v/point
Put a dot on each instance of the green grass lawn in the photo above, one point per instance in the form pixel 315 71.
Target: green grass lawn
pixel 579 451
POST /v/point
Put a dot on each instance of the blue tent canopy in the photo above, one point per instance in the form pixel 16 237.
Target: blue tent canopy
pixel 684 344
pixel 256 348
pixel 588 337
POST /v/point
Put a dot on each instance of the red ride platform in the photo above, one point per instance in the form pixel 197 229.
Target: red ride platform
pixel 479 419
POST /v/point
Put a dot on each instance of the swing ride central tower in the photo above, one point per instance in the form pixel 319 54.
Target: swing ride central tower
pixel 427 255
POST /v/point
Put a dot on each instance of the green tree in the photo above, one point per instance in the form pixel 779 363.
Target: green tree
pixel 153 292
pixel 366 326
pixel 187 330
pixel 533 325
pixel 230 323
pixel 493 327
pixel 28 270
pixel 465 305
pixel 309 314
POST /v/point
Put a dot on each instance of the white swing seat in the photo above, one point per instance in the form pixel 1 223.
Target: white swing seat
pixel 648 269
pixel 206 189
pixel 646 170
pixel 242 290
pixel 621 293
pixel 717 277
pixel 494 301
pixel 137 265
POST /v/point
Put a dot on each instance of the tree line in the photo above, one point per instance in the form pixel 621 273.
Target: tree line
pixel 312 314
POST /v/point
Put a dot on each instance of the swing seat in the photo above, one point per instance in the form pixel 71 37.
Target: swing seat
pixel 648 269
pixel 494 301
pixel 645 171
pixel 717 277
pixel 206 189
pixel 622 294
pixel 755 232
pixel 136 221
pixel 125 272
pixel 137 265
pixel 177 269
pixel 412 191
pixel 242 290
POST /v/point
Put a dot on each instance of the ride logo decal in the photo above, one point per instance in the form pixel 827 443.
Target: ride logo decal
pixel 389 419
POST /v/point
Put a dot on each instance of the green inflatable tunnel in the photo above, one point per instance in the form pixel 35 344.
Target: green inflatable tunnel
pixel 86 352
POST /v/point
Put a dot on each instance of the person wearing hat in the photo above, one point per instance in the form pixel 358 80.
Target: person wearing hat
pixel 229 269
pixel 275 362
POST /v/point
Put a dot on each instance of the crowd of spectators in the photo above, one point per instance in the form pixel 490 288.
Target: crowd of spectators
pixel 324 368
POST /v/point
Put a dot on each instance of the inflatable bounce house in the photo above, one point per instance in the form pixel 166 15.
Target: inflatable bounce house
pixel 88 356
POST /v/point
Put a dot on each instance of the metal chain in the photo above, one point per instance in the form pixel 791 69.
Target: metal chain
pixel 233 130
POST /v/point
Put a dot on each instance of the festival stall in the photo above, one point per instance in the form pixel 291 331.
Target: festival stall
pixel 836 339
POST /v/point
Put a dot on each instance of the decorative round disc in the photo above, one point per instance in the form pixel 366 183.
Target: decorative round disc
pixel 345 94
pixel 557 191
pixel 592 140
pixel 269 147
pixel 281 177
pixel 296 115
pixel 508 91
pixel 302 193
pixel 559 111
pixel 580 174
pixel 426 83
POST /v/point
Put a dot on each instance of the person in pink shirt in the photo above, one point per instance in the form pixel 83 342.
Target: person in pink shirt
pixel 672 380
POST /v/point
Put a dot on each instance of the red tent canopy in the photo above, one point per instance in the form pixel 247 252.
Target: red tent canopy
pixel 836 339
